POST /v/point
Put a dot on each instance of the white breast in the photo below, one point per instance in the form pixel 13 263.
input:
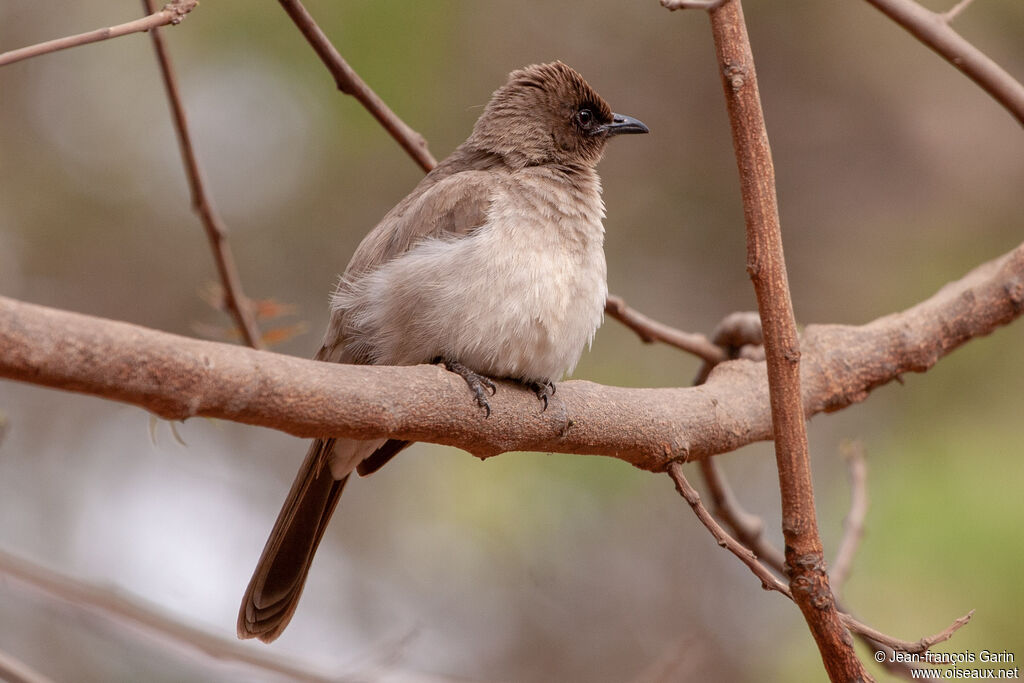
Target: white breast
pixel 520 297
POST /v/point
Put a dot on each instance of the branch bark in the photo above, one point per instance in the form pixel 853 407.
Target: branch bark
pixel 177 377
pixel 805 561
pixel 172 13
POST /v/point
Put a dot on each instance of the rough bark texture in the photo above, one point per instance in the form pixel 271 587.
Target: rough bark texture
pixel 805 560
pixel 178 377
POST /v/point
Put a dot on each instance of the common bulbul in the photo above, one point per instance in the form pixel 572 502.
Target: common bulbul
pixel 494 265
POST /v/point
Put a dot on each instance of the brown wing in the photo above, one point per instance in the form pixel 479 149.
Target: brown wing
pixel 452 204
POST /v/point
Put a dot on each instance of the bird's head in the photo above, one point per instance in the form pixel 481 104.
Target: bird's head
pixel 547 114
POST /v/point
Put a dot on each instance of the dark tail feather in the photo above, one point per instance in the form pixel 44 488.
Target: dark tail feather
pixel 381 456
pixel 274 590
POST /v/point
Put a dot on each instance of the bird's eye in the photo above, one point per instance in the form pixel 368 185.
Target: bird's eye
pixel 585 117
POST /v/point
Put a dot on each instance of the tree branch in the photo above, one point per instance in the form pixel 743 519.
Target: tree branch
pixel 172 13
pixel 854 522
pixel 349 82
pixel 933 29
pixel 805 562
pixel 747 527
pixel 770 582
pixel 178 377
pixel 168 628
pixel 650 331
pixel 234 298
pixel 14 670
pixel 911 646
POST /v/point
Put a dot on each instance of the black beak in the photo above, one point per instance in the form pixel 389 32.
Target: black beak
pixel 622 124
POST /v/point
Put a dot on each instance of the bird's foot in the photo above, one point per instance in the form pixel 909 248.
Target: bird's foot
pixel 478 384
pixel 543 390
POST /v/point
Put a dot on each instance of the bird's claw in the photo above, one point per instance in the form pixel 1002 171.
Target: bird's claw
pixel 478 384
pixel 543 390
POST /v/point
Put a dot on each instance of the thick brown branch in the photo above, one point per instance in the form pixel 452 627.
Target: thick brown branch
pixel 805 562
pixel 933 30
pixel 350 83
pixel 650 331
pixel 177 377
pixel 216 232
pixel 172 13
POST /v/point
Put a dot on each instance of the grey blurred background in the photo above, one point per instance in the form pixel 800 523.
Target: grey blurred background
pixel 895 175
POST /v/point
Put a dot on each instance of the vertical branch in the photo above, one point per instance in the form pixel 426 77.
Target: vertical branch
pixel 217 233
pixel 805 562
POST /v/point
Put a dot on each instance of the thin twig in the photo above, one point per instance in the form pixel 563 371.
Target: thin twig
pixel 148 617
pixel 234 298
pixel 349 82
pixel 749 528
pixel 651 331
pixel 709 5
pixel 172 13
pixel 13 670
pixel 933 29
pixel 955 10
pixel 768 580
pixel 854 522
pixel 911 646
pixel 766 266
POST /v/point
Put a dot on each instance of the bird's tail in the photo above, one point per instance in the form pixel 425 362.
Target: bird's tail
pixel 273 592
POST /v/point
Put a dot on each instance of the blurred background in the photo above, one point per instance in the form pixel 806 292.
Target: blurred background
pixel 895 175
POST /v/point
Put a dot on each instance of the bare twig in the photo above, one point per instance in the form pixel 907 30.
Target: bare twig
pixel 805 561
pixel 854 523
pixel 13 670
pixel 933 29
pixel 651 331
pixel 911 646
pixel 349 82
pixel 172 13
pixel 749 528
pixel 150 618
pixel 708 5
pixel 234 298
pixel 768 580
pixel 955 10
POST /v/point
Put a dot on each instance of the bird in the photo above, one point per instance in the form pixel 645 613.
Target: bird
pixel 493 265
